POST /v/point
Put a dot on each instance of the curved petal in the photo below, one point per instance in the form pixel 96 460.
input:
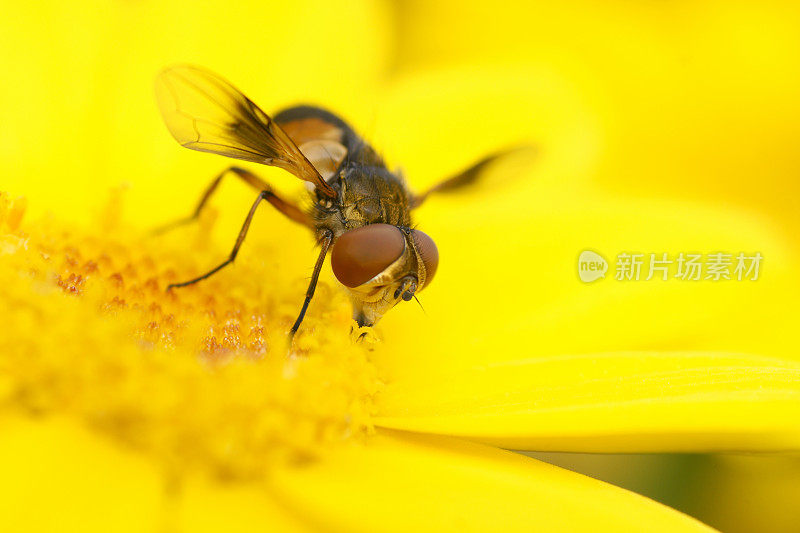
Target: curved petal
pixel 670 126
pixel 57 477
pixel 76 49
pixel 408 482
pixel 60 477
pixel 205 505
pixel 619 402
pixel 507 286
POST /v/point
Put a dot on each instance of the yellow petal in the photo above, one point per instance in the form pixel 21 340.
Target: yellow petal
pixel 405 482
pixel 679 89
pixel 205 505
pixel 507 286
pixel 618 402
pixel 95 116
pixel 58 476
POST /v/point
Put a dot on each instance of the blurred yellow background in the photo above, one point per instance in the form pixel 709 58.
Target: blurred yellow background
pixel 660 127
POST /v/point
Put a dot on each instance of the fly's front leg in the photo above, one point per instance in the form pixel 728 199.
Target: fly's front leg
pixel 325 244
pixel 263 195
pixel 290 210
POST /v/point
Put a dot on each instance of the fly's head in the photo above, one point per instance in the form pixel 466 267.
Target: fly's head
pixel 381 265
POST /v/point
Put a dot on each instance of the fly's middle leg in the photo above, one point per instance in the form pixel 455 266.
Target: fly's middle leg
pixel 263 195
pixel 290 210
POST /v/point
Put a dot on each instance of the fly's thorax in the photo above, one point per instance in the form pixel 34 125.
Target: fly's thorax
pixel 373 195
pixel 366 195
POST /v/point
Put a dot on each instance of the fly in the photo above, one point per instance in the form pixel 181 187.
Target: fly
pixel 360 212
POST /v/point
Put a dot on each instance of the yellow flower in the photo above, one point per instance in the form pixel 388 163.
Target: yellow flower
pixel 197 388
pixel 127 408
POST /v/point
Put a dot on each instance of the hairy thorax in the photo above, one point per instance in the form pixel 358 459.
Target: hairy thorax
pixel 367 195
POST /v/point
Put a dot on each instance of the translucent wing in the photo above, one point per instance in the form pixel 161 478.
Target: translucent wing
pixel 206 113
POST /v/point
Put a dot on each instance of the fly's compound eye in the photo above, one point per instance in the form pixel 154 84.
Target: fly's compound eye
pixel 428 252
pixel 362 253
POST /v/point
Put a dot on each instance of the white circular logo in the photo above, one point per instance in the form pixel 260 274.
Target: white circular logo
pixel 591 266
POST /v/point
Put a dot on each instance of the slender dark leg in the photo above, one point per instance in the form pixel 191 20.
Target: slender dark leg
pixel 291 211
pixel 325 245
pixel 468 176
pixel 263 195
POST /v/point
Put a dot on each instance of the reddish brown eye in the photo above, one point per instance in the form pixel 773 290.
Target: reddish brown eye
pixel 429 253
pixel 361 254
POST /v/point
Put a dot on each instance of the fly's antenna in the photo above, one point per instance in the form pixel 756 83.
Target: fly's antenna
pixel 420 304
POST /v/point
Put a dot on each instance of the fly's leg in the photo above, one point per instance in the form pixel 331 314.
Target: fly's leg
pixel 325 244
pixel 466 177
pixel 291 211
pixel 263 195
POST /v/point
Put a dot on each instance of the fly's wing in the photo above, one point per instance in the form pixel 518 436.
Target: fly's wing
pixel 321 136
pixel 469 176
pixel 204 112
